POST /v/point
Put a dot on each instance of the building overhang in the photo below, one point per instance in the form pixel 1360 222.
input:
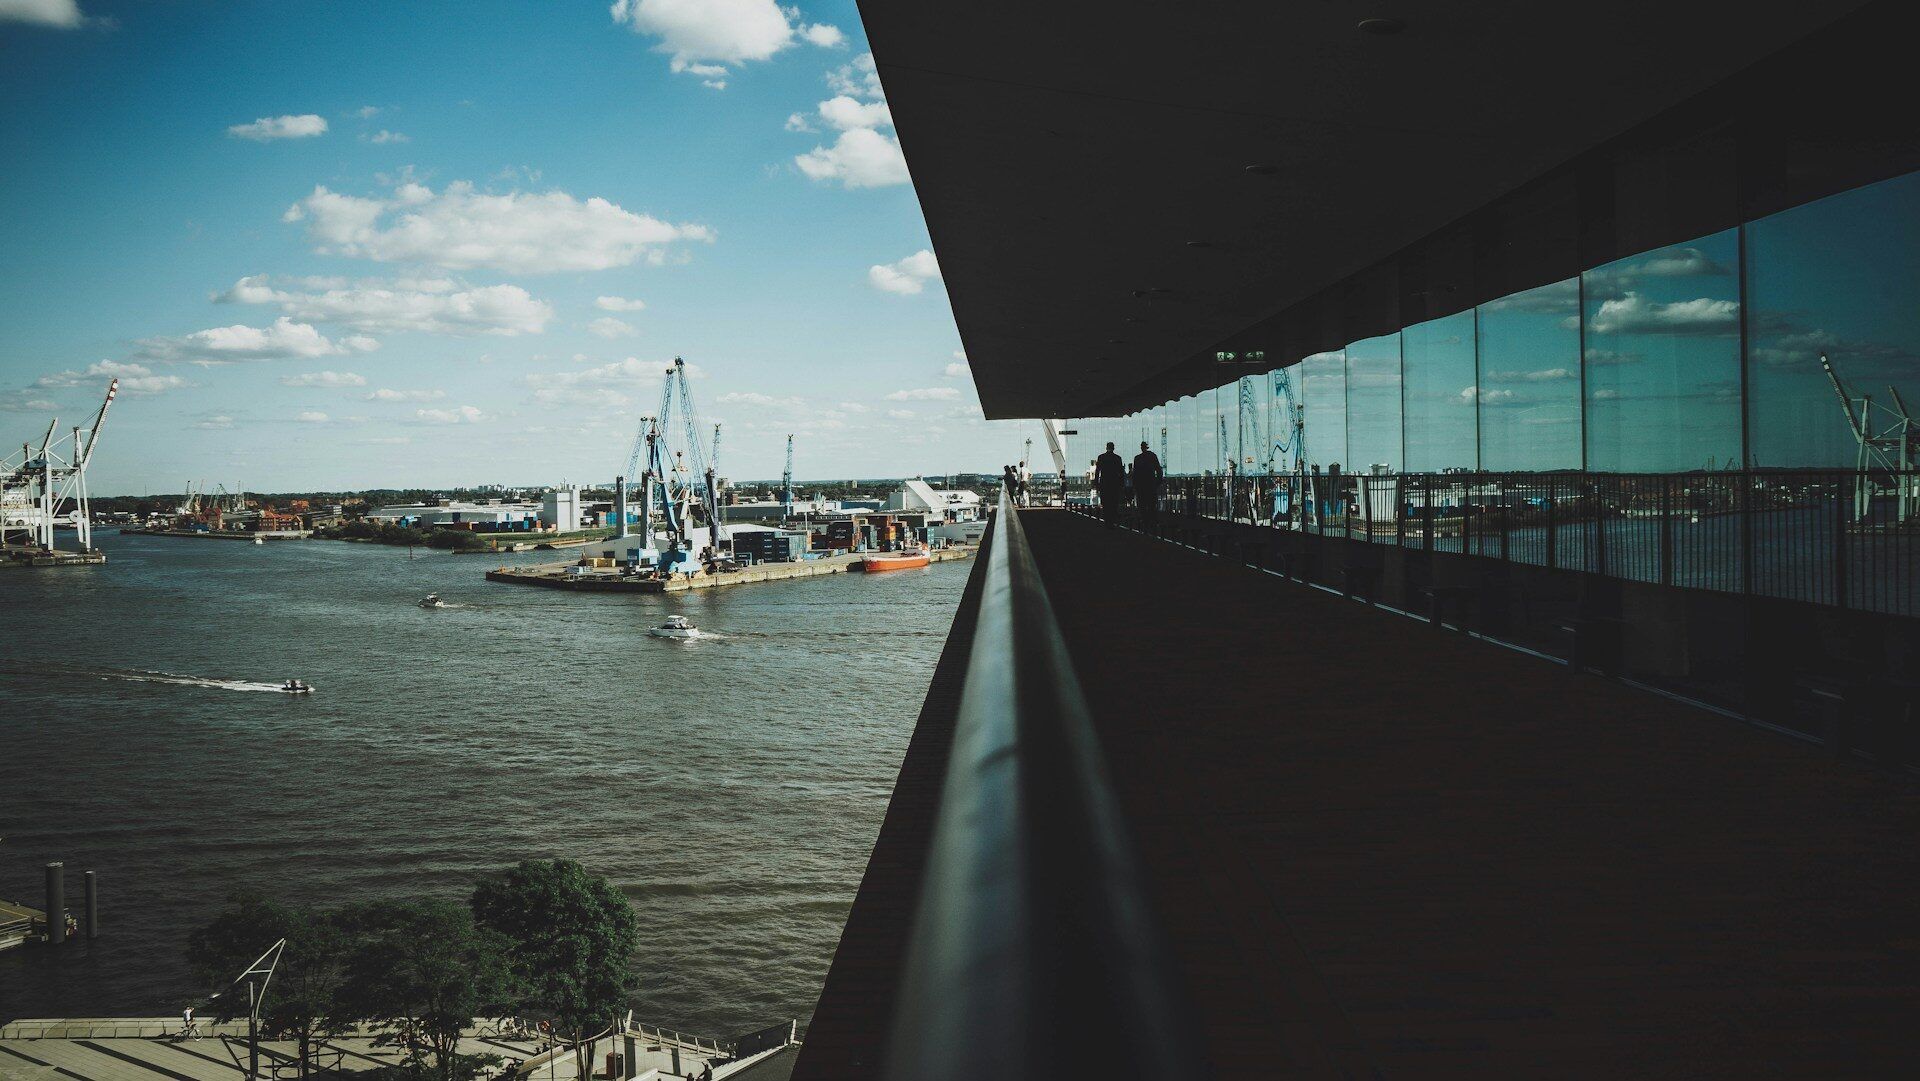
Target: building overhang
pixel 1116 197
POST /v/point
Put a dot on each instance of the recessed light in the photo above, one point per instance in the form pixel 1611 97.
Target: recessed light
pixel 1199 243
pixel 1383 27
pixel 1116 341
pixel 1263 168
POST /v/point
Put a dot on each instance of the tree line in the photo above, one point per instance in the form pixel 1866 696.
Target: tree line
pixel 546 941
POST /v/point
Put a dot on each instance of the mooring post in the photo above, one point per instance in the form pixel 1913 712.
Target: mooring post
pixel 56 903
pixel 91 888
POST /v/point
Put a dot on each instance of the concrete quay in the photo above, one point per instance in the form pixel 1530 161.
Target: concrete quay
pixel 595 580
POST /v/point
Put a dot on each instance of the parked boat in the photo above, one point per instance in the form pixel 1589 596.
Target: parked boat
pixel 874 562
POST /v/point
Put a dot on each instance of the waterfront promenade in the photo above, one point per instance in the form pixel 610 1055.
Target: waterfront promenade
pixel 149 1049
pixel 1380 849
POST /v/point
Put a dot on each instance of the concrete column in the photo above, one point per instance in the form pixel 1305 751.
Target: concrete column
pixel 632 1063
pixel 619 507
pixel 92 890
pixel 56 903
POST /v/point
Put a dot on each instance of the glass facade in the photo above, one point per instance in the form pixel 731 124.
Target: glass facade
pixel 1700 355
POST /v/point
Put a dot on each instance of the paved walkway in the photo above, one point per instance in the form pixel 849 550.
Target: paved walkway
pixel 1384 850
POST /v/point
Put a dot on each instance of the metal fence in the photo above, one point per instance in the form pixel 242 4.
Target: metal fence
pixel 1833 537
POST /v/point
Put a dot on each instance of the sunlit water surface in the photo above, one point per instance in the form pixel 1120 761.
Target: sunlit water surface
pixel 731 786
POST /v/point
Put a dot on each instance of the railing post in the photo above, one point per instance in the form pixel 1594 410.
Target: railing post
pixel 1366 504
pixel 1840 546
pixel 1666 530
pixel 1553 529
pixel 1426 519
pixel 1599 529
pixel 1506 522
pixel 1743 506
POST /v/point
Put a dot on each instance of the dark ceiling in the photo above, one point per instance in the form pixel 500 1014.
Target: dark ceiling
pixel 1083 168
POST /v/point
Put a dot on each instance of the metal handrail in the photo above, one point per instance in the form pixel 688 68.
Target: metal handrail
pixel 1033 953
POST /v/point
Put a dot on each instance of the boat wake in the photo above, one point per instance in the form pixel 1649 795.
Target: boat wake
pixel 137 676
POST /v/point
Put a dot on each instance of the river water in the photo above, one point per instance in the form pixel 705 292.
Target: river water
pixel 732 786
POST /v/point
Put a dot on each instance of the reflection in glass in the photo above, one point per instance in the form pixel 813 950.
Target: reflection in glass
pixel 1663 359
pixel 1438 398
pixel 1527 395
pixel 1373 404
pixel 1840 277
pixel 1323 383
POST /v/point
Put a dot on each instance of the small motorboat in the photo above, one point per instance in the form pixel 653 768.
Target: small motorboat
pixel 675 627
pixel 295 686
pixel 875 562
pixel 433 601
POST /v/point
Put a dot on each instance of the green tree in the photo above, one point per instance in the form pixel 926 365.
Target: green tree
pixel 572 937
pixel 301 1000
pixel 422 970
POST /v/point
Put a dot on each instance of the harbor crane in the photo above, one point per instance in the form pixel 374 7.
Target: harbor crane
pixel 679 480
pixel 1889 448
pixel 786 483
pixel 46 488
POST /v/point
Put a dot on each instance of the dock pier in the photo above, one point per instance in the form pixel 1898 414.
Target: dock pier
pixel 603 580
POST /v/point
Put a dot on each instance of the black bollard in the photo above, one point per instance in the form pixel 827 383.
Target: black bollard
pixel 92 891
pixel 56 903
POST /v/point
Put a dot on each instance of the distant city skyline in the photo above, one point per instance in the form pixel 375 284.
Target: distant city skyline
pixel 430 245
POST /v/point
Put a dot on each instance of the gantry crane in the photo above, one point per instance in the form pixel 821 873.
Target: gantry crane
pixel 1890 448
pixel 786 484
pixel 49 487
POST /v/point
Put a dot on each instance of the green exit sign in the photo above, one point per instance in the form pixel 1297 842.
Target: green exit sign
pixel 1250 356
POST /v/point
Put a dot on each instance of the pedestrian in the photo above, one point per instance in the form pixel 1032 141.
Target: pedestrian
pixel 1146 486
pixel 1010 484
pixel 188 1031
pixel 1110 477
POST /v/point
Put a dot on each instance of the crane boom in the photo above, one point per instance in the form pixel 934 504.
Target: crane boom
pixel 786 483
pixel 93 434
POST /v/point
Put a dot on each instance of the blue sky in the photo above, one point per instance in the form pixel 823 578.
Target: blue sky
pixel 367 244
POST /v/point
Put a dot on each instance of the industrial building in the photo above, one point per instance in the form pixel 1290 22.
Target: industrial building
pixel 945 505
pixel 1513 675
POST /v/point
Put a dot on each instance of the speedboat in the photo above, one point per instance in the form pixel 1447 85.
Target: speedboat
pixel 893 561
pixel 433 601
pixel 294 686
pixel 675 627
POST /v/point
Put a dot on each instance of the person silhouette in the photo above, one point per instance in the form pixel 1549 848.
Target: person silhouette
pixel 1110 477
pixel 1146 486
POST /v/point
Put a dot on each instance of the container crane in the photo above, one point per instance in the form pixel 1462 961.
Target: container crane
pixel 786 484
pixel 1890 448
pixel 34 491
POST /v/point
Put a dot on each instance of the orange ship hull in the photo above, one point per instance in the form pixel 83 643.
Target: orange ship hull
pixel 893 561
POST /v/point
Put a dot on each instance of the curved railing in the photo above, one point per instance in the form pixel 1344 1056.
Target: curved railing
pixel 1033 953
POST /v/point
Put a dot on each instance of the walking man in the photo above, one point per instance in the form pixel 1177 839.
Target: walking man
pixel 1146 486
pixel 1110 477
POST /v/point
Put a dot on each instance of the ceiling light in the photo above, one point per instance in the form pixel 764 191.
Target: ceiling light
pixel 1383 27
pixel 1199 243
pixel 1263 168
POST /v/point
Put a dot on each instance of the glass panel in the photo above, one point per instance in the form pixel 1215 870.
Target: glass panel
pixel 1323 384
pixel 1663 359
pixel 1840 277
pixel 1373 405
pixel 1528 394
pixel 1439 398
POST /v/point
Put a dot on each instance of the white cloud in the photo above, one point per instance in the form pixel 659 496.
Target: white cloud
pixel 219 423
pixel 1633 314
pixel 64 14
pixel 827 37
pixel 702 36
pixel 853 407
pixel 388 440
pixel 383 136
pixel 906 277
pixel 408 304
pixel 860 158
pixel 312 416
pixel 386 395
pixel 609 385
pixel 367 112
pixel 220 345
pixel 281 127
pixel 1544 375
pixel 859 78
pixel 752 397
pixel 799 122
pixel 619 304
pixel 461 414
pixel 324 379
pixel 956 370
pixel 1605 394
pixel 900 414
pixel 608 327
pixel 1485 397
pixel 925 394
pixel 135 379
pixel 20 401
pixel 843 112
pixel 463 229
